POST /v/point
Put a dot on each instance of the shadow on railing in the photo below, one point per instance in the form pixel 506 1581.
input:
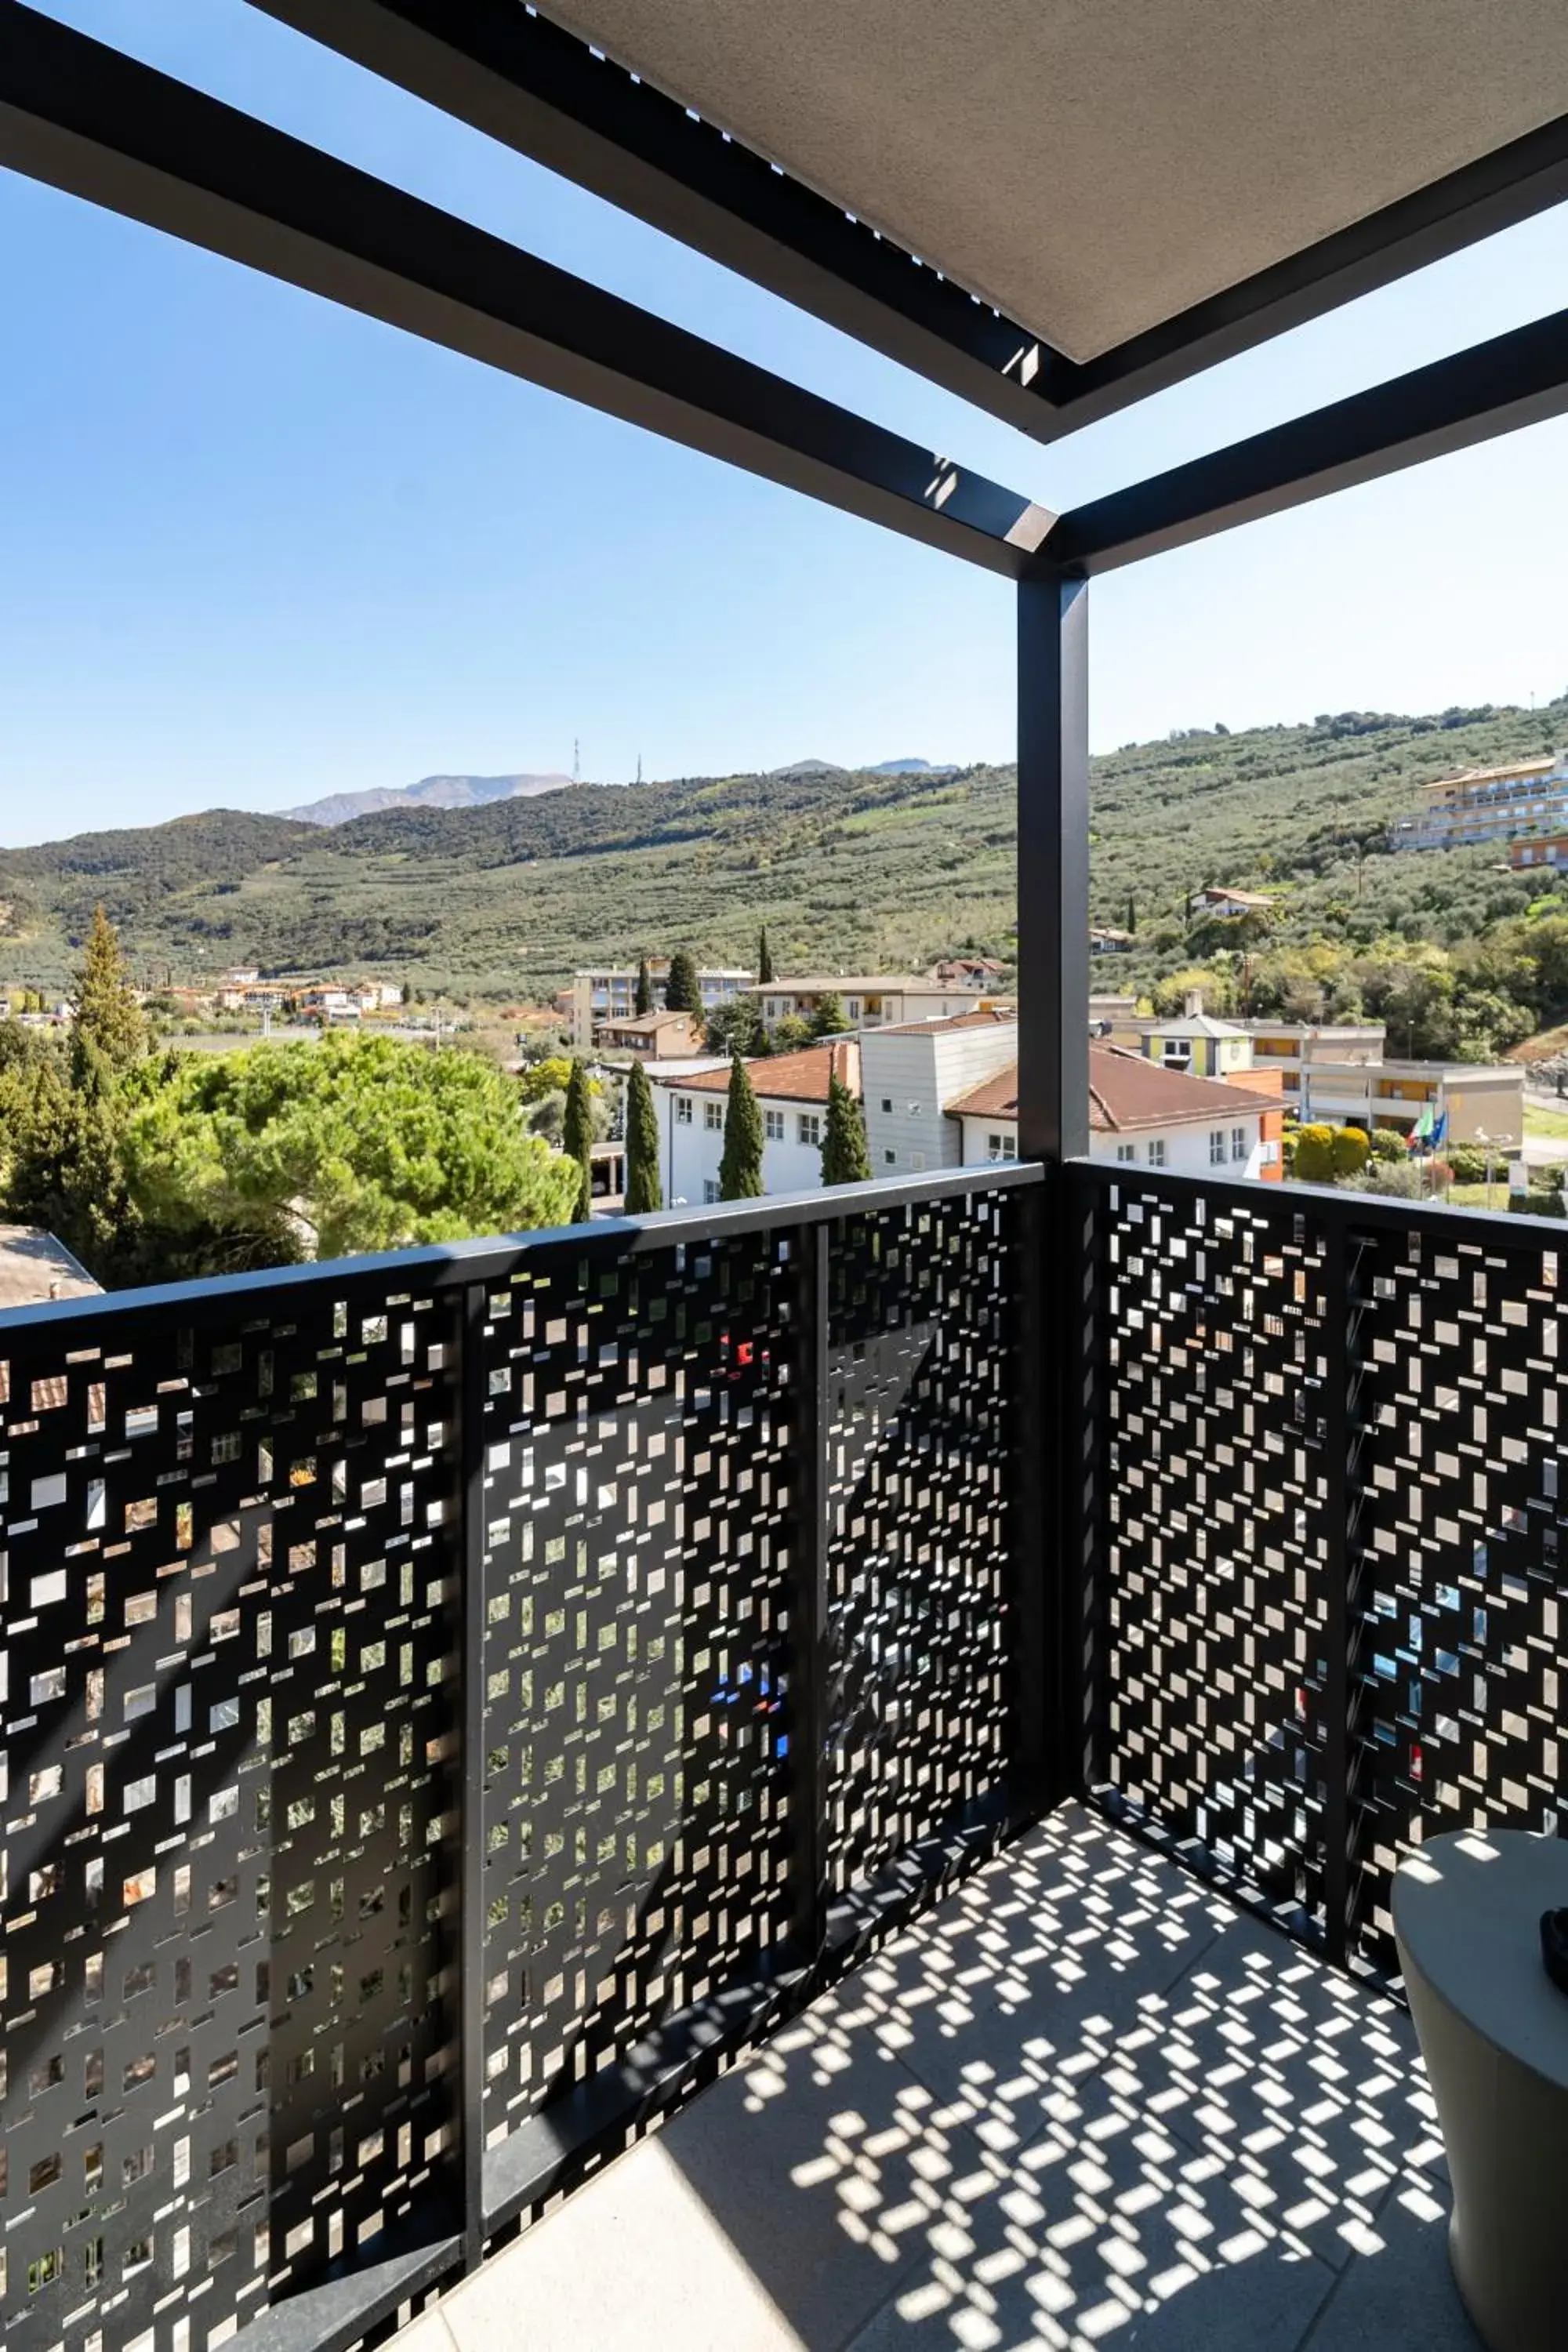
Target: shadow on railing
pixel 455 1700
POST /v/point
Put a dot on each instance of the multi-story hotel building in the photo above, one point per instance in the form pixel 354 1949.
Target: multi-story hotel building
pixel 1486 804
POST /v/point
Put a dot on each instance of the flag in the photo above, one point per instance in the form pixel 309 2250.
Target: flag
pixel 1422 1130
pixel 1439 1129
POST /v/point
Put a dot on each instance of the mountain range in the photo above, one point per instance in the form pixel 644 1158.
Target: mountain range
pixel 850 870
pixel 477 792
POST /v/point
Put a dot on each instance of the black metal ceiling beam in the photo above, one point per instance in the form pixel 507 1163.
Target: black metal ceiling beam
pixel 1516 379
pixel 525 82
pixel 102 126
pixel 534 87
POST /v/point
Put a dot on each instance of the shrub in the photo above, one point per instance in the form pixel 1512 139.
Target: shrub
pixel 1351 1152
pixel 1314 1162
pixel 1469 1164
pixel 1389 1145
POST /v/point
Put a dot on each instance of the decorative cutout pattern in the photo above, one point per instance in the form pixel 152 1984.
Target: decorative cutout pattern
pixel 1458 1559
pixel 1212 1498
pixel 228 1634
pixel 922 1488
pixel 642 1435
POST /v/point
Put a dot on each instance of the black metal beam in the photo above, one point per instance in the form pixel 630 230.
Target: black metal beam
pixel 539 89
pixel 100 125
pixel 1516 379
pixel 542 91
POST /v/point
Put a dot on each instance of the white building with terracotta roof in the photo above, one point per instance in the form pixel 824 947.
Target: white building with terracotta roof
pixel 792 1095
pixel 1139 1114
pixel 911 1070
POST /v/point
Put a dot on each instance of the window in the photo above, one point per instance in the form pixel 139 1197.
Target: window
pixel 713 1118
pixel 1001 1147
pixel 1216 1147
pixel 853 1008
pixel 887 1102
pixel 1156 1152
pixel 1239 1143
pixel 1176 1052
pixel 683 1110
pixel 1270 1155
pixel 709 1190
pixel 809 1129
pixel 1126 1151
pixel 773 1126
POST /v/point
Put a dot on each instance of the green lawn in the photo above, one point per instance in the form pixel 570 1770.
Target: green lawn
pixel 1551 1126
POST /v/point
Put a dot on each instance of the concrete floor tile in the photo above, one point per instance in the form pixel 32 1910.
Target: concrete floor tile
pixel 1402 2294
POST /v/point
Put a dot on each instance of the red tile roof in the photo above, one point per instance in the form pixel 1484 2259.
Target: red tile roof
pixel 783 1078
pixel 1124 1091
pixel 984 1016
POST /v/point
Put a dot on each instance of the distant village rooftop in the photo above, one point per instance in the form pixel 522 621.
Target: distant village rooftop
pixel 35 1266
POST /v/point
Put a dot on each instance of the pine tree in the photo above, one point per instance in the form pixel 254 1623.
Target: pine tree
pixel 577 1140
pixel 643 1190
pixel 764 958
pixel 1131 914
pixel 642 1000
pixel 829 1020
pixel 740 1169
pixel 682 989
pixel 109 1023
pixel 845 1157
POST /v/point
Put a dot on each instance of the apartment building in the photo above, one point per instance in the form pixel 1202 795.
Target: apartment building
pixel 1140 1114
pixel 1196 1042
pixel 611 995
pixel 911 1070
pixel 1490 804
pixel 791 1095
pixel 1340 1074
pixel 870 1001
pixel 1550 852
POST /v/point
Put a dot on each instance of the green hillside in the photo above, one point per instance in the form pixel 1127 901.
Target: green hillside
pixel 867 870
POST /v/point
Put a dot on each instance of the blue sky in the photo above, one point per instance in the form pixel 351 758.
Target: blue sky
pixel 258 549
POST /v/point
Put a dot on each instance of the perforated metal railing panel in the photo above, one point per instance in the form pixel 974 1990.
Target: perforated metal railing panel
pixel 701 1535
pixel 643 1443
pixel 1460 1635
pixel 924 1404
pixel 1324 1548
pixel 229 1635
pixel 1209 1597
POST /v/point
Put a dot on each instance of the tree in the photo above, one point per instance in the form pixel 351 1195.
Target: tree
pixel 324 1150
pixel 642 1000
pixel 790 1033
pixel 683 990
pixel 764 957
pixel 552 1076
pixel 829 1020
pixel 578 1141
pixel 736 1028
pixel 108 1020
pixel 740 1169
pixel 644 1190
pixel 845 1157
pixel 1131 915
pixel 1352 1147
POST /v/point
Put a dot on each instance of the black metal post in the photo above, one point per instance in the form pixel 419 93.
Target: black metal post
pixel 471 1770
pixel 1053 866
pixel 1053 1125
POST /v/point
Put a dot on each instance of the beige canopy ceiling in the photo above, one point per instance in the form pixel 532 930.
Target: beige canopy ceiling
pixel 1093 167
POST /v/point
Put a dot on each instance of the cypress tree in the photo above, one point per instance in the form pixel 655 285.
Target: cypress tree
pixel 643 1190
pixel 642 1000
pixel 577 1140
pixel 109 1024
pixel 1131 914
pixel 740 1169
pixel 829 1020
pixel 682 989
pixel 845 1157
pixel 764 958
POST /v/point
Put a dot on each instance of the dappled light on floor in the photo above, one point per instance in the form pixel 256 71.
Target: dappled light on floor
pixel 1084 2103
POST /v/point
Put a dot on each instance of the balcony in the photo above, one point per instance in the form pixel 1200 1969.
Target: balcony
pixel 959 1658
